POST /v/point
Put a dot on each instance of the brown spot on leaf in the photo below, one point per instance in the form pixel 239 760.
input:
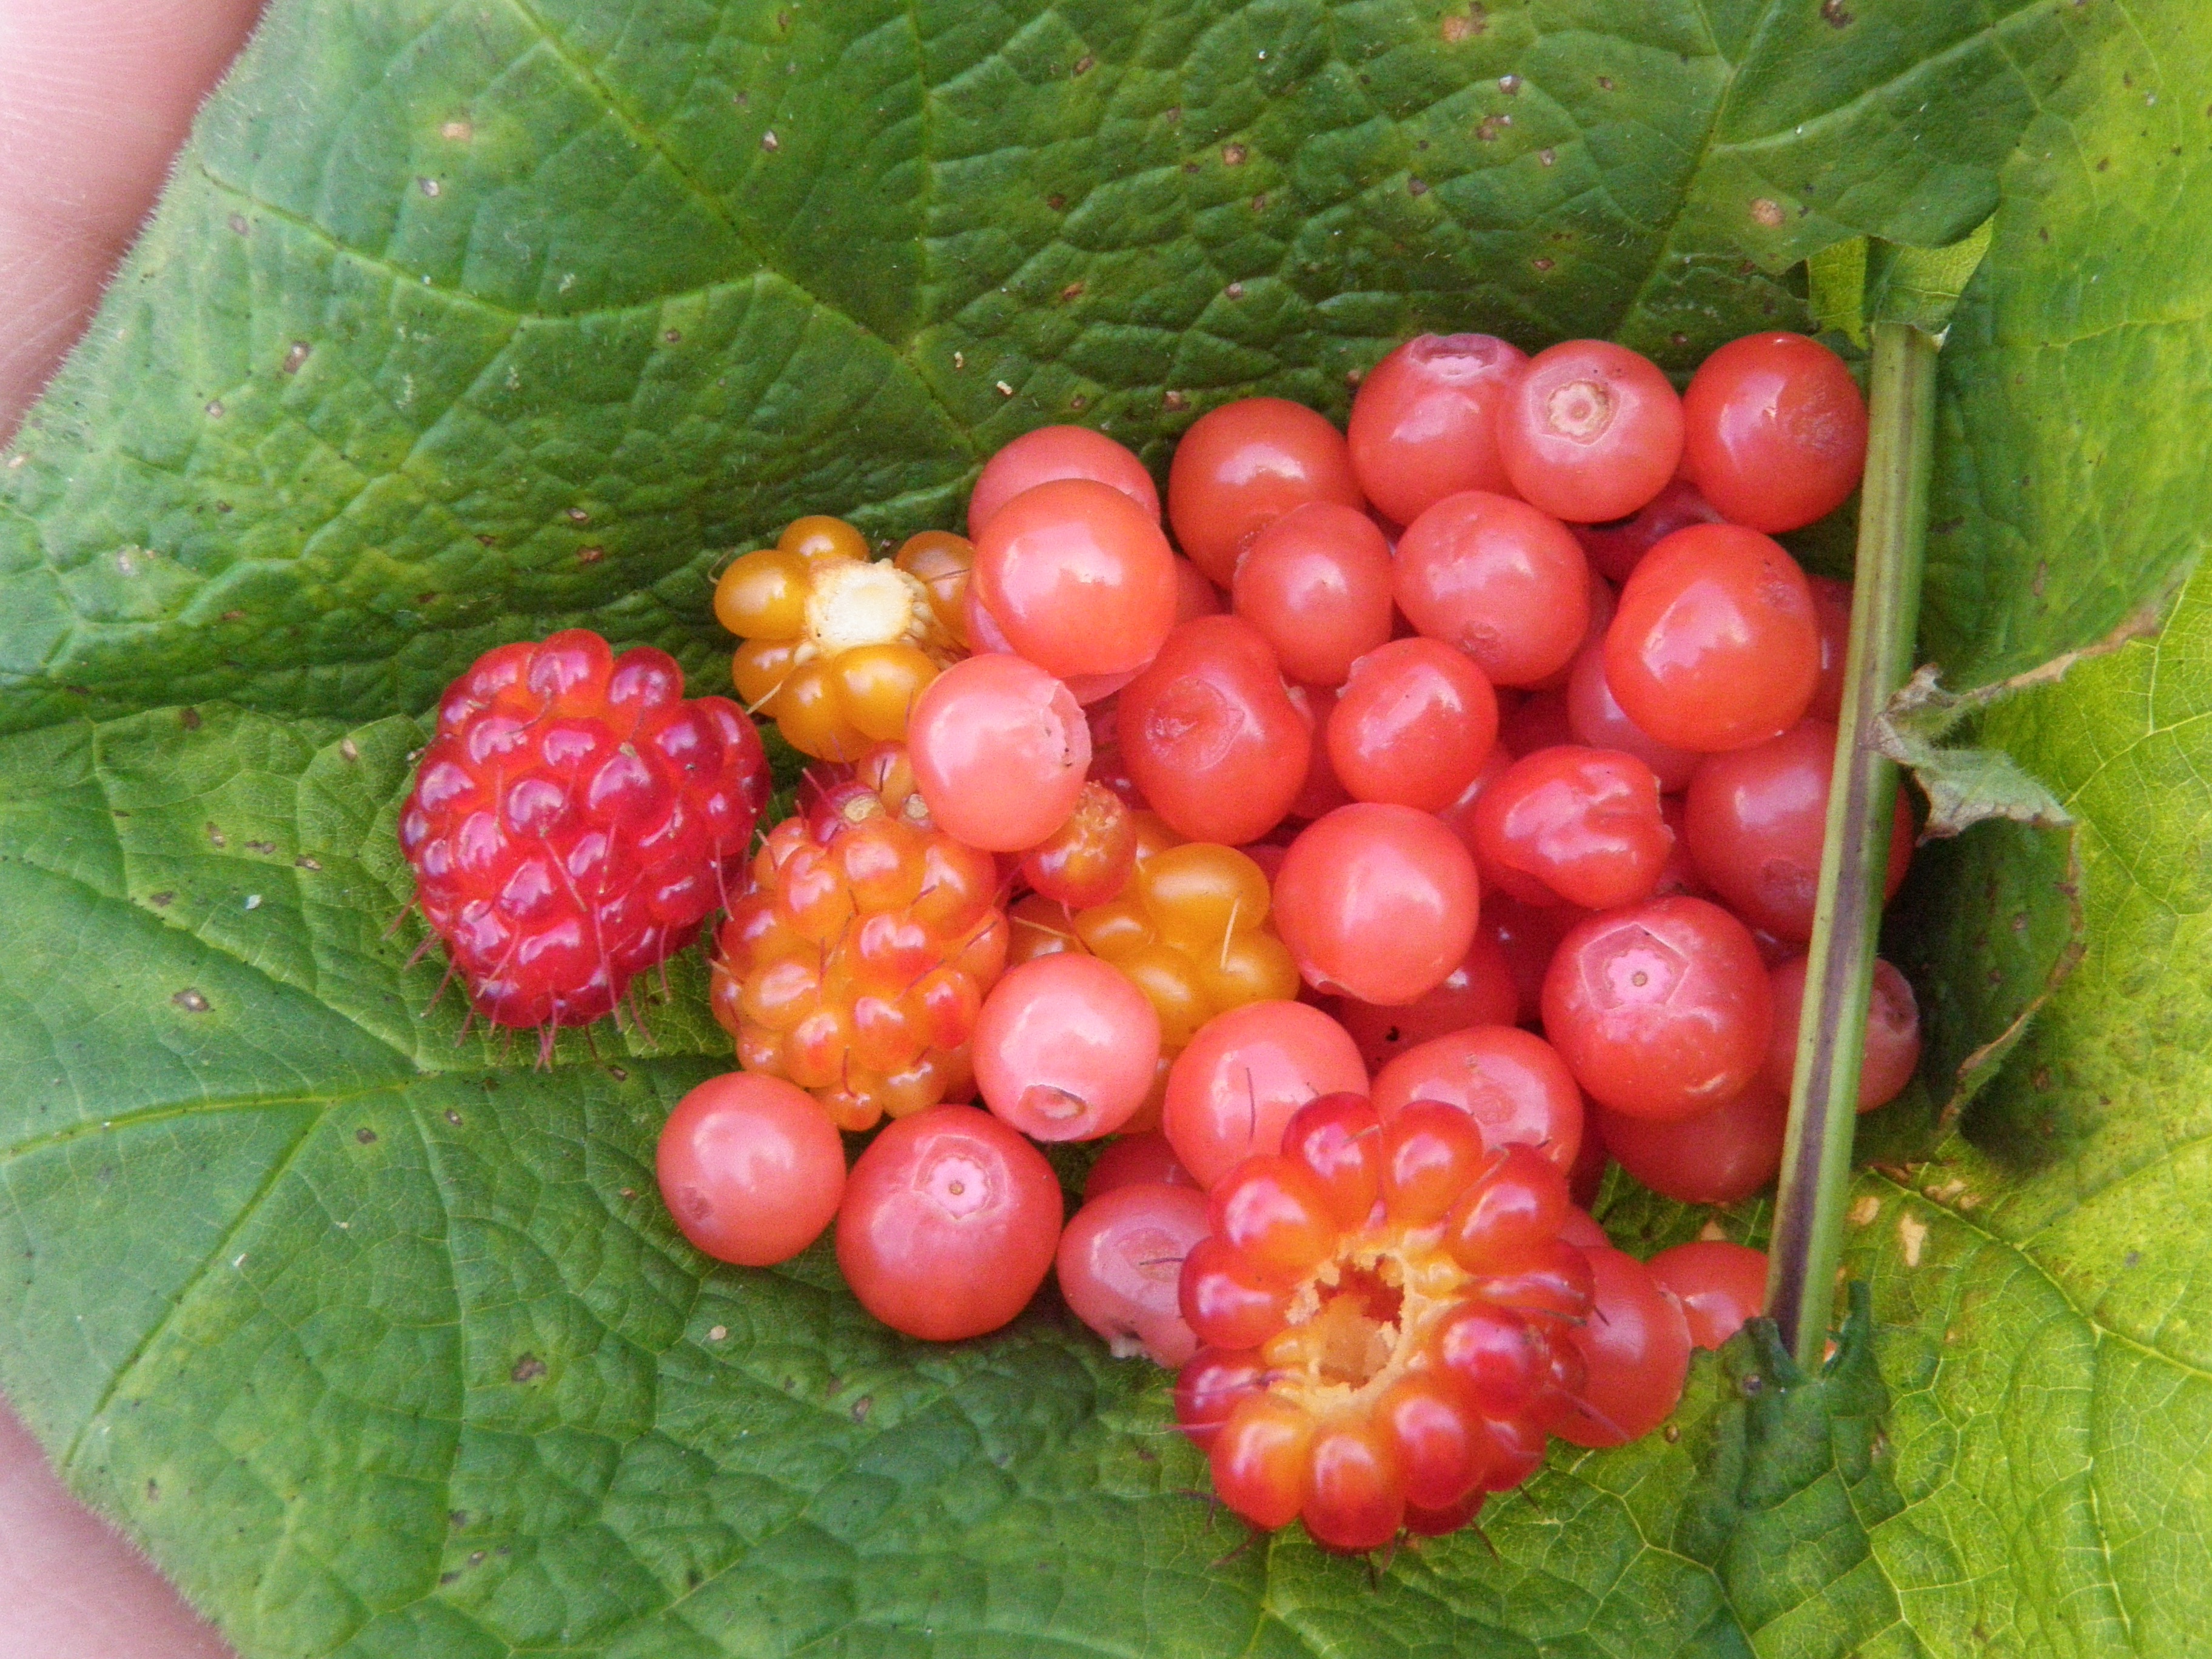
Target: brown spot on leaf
pixel 190 1001
pixel 1055 201
pixel 1835 15
pixel 1072 291
pixel 1232 156
pixel 590 554
pixel 306 861
pixel 1173 401
pixel 861 1407
pixel 1417 187
pixel 1768 212
pixel 1911 1235
pixel 189 719
pixel 1457 27
pixel 216 837
pixel 770 143
pixel 528 1369
pixel 365 1135
pixel 297 356
pixel 1084 65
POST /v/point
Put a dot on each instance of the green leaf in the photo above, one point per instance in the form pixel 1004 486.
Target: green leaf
pixel 463 322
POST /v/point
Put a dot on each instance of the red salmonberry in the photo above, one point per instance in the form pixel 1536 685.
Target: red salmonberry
pixel 1383 1309
pixel 573 822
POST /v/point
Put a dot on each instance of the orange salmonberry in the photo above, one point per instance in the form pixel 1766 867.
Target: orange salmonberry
pixel 856 961
pixel 837 646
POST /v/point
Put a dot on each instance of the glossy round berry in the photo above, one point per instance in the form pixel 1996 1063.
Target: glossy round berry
pixel 1590 431
pixel 1580 824
pixel 1636 1353
pixel 1719 1285
pixel 950 1222
pixel 1195 597
pixel 1412 725
pixel 750 1169
pixel 1538 721
pixel 1316 584
pixel 1596 718
pixel 1892 1053
pixel 1616 549
pixel 1210 734
pixel 1832 604
pixel 1080 578
pixel 1136 1160
pixel 1500 580
pixel 1323 792
pixel 1715 1158
pixel 574 822
pixel 1376 903
pixel 1423 421
pixel 1716 645
pixel 1756 819
pixel 1242 466
pixel 1512 1082
pixel 1237 1082
pixel 1527 935
pixel 1480 991
pixel 1000 749
pixel 1064 1047
pixel 1058 451
pixel 1774 431
pixel 1604 600
pixel 1121 1262
pixel 1661 1009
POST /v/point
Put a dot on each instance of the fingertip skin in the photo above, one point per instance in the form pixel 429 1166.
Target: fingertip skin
pixel 96 98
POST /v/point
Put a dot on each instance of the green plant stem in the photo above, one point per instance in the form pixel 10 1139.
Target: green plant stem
pixel 1816 1159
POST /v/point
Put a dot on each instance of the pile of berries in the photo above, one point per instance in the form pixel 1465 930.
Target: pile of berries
pixel 1443 819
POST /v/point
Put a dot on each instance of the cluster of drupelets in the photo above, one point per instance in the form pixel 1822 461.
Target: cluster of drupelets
pixel 1444 818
